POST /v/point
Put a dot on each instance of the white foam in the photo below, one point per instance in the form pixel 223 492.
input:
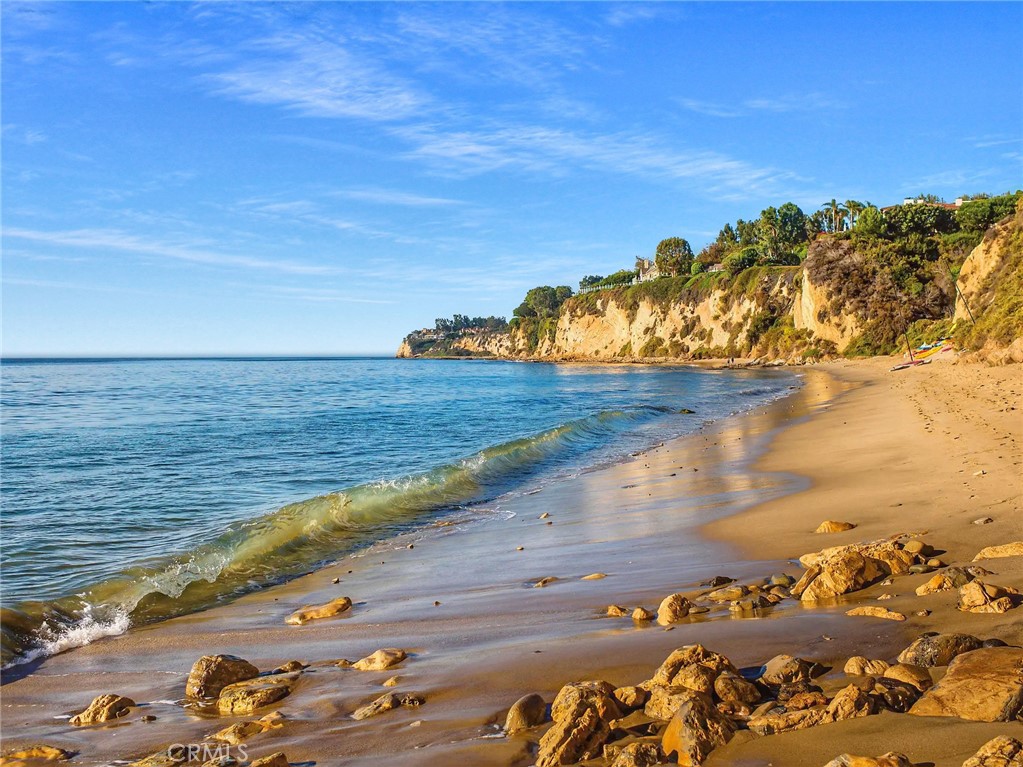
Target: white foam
pixel 85 631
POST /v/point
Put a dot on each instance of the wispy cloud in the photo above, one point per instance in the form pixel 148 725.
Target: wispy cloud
pixel 556 151
pixel 107 239
pixel 394 197
pixel 623 14
pixel 318 77
pixel 23 135
pixel 804 102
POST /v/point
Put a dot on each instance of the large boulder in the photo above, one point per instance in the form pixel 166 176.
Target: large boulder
pixel 984 685
pixel 842 569
pixel 528 711
pixel 103 708
pixel 672 609
pixel 582 713
pixel 938 649
pixel 212 673
pixel 1002 751
pixel 668 673
pixel 695 730
pixel 252 694
pixel 978 597
pixel 784 669
pixel 664 702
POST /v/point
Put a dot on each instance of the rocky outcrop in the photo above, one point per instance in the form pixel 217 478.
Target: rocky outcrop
pixel 582 713
pixel 984 685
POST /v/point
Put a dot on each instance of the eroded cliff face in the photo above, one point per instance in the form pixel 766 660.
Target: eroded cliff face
pixel 991 282
pixel 754 315
pixel 680 329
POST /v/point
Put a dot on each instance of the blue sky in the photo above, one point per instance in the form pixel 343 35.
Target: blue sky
pixel 323 177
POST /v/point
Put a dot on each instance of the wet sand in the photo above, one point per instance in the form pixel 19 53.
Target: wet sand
pixel 739 499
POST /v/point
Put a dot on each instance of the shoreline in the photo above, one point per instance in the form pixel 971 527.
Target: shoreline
pixel 521 634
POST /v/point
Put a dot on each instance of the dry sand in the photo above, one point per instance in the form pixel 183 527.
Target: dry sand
pixel 892 452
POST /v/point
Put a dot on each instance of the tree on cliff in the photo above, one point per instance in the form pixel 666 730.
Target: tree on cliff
pixel 835 213
pixel 543 301
pixel 673 256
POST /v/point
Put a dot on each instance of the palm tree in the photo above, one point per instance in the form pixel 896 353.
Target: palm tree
pixel 855 207
pixel 836 212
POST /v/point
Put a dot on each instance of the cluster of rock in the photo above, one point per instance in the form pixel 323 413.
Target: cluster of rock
pixel 697 700
pixel 231 686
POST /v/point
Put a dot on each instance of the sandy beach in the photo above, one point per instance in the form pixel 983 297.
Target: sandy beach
pixel 924 451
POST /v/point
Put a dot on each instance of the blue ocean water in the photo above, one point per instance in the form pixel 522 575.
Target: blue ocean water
pixel 133 490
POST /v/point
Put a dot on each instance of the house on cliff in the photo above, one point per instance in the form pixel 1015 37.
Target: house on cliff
pixel 647 270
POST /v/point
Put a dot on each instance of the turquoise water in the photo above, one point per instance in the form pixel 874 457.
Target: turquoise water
pixel 134 490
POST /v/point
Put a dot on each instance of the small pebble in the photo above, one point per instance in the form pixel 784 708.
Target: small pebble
pixel 549 522
pixel 983 521
pixel 543 516
pixel 520 548
pixel 923 613
pixel 412 545
pixel 336 580
pixel 436 604
pixel 148 718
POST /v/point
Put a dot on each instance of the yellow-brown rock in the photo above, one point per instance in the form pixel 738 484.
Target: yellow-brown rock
pixel 831 526
pixel 915 676
pixel 252 694
pixel 984 685
pixel 104 708
pixel 277 759
pixel 696 729
pixel 381 660
pixel 860 666
pixel 240 732
pixel 672 609
pixel 668 672
pixel 312 613
pixel 582 713
pixel 1014 549
pixel 38 753
pixel 212 673
pixel 938 650
pixel 870 611
pixel 978 597
pixel 1001 751
pixel 528 711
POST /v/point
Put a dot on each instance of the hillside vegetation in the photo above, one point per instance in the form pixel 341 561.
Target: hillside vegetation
pixel 848 278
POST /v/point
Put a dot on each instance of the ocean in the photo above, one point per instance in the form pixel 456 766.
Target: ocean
pixel 138 489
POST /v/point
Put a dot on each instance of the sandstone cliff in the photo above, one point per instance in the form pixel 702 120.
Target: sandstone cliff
pixel 991 285
pixel 843 299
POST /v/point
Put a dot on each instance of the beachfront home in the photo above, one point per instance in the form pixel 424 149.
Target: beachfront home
pixel 647 269
pixel 921 201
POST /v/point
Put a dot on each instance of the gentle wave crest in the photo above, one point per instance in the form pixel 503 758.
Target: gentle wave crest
pixel 292 540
